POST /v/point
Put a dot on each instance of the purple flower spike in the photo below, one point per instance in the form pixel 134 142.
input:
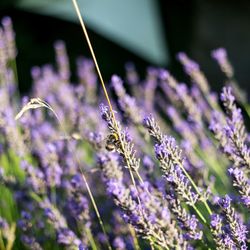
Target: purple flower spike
pixel 62 60
pixel 238 231
pixel 242 183
pixel 189 65
pixel 220 55
pixel 235 130
pixel 117 84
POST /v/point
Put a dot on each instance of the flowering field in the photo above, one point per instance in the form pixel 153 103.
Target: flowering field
pixel 166 168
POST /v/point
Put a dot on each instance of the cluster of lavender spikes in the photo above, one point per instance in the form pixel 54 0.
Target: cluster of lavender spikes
pixel 168 170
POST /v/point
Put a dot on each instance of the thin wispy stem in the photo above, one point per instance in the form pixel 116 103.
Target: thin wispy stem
pixel 103 86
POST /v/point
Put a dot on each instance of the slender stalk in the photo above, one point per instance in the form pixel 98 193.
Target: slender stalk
pixel 213 164
pixel 107 96
pixel 104 89
pixel 95 208
pixel 152 245
pixel 36 197
pixel 2 247
pixel 11 238
pixel 199 214
pixel 91 239
pixel 14 67
pixel 139 177
pixel 98 71
pixel 93 56
pixel 247 108
pixel 195 187
pixel 135 240
pixel 141 180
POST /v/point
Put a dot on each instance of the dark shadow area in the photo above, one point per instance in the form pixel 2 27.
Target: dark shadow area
pixel 36 34
pixel 196 27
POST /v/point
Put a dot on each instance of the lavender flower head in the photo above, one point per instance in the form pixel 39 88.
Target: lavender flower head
pixel 10 37
pixel 117 84
pixel 124 145
pixel 62 60
pixel 241 181
pixel 220 55
pixel 238 231
pixel 193 70
pixel 235 130
pixel 190 66
pixel 127 104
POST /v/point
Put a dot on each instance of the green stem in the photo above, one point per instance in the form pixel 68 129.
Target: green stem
pixel 195 187
pixel 36 197
pixel 199 214
pixel 151 245
pixel 247 109
pixel 212 164
pixel 53 195
pixel 2 247
pixel 135 240
pixel 91 239
pixel 11 238
pixel 96 209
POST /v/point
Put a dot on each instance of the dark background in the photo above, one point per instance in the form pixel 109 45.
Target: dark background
pixel 195 26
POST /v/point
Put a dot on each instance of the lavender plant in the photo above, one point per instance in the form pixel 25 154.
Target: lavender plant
pixel 75 176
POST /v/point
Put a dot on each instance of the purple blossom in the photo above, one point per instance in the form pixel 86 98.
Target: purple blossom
pixel 188 223
pixel 67 237
pixel 238 231
pixel 27 231
pixel 117 84
pixel 10 37
pixel 148 164
pixel 225 202
pixel 177 179
pixel 181 126
pixel 62 60
pixel 215 220
pixel 220 55
pixel 190 66
pixel 235 130
pixel 242 183
pixel 193 70
pixel 161 152
pixel 125 147
pixel 131 74
pixel 150 88
pixel 119 243
pixel 88 78
pixel 145 218
pixel 127 104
